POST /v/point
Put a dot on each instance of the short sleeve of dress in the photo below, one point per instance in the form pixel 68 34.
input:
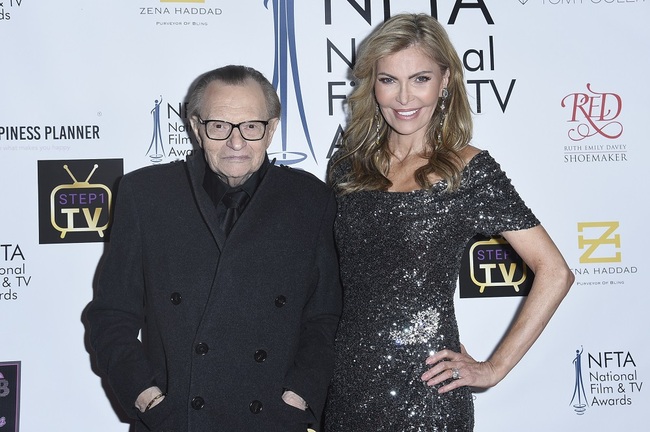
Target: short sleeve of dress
pixel 497 207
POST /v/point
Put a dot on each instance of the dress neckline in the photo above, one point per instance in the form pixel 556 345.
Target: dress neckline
pixel 440 184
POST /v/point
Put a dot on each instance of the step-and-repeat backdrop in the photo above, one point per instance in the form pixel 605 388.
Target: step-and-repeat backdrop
pixel 92 90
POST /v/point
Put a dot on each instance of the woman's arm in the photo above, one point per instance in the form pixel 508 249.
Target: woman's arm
pixel 553 278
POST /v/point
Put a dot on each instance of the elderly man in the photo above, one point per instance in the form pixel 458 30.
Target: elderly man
pixel 226 264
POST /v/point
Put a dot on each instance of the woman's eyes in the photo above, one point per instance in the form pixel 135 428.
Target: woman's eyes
pixel 417 79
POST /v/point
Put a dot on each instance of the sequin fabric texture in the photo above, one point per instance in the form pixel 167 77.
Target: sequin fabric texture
pixel 400 255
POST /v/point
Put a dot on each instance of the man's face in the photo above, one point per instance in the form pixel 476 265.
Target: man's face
pixel 233 159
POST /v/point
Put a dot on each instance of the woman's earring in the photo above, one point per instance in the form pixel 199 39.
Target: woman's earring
pixel 443 112
pixel 444 95
pixel 377 123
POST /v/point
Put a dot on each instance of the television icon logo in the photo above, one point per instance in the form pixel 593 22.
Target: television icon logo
pixel 490 263
pixel 68 200
pixel 492 258
pixel 72 210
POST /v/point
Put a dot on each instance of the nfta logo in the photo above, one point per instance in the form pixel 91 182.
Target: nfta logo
pixel 5 15
pixel 76 211
pixel 594 113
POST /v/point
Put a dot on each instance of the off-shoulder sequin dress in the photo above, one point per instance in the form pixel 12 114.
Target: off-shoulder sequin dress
pixel 400 255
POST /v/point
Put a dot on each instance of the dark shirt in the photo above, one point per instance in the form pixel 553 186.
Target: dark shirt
pixel 217 188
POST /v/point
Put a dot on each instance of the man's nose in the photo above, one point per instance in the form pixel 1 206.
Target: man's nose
pixel 236 141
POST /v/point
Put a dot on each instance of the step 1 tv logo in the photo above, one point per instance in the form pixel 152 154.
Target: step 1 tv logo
pixel 9 396
pixel 73 210
pixel 490 267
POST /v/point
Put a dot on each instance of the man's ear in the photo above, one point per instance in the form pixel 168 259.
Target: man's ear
pixel 196 127
pixel 270 130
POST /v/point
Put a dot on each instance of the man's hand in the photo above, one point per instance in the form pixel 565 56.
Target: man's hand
pixel 149 399
pixel 294 400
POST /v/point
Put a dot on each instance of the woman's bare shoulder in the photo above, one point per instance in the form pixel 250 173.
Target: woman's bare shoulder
pixel 468 153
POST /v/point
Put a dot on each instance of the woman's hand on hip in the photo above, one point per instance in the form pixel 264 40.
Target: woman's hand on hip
pixel 460 368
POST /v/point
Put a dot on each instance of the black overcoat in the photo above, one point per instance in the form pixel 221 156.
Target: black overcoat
pixel 226 325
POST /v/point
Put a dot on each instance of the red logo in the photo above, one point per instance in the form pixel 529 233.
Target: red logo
pixel 595 114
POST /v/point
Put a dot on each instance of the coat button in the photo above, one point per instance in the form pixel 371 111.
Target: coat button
pixel 259 356
pixel 176 298
pixel 198 402
pixel 202 348
pixel 280 301
pixel 255 407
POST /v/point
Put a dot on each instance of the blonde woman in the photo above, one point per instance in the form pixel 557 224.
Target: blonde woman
pixel 411 192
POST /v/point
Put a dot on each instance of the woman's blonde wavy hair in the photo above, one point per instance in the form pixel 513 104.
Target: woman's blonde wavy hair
pixel 368 151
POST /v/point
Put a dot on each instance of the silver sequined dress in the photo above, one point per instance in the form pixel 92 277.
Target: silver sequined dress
pixel 400 255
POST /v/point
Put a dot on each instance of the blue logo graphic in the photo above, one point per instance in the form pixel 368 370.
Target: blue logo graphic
pixel 285 48
pixel 579 395
pixel 156 136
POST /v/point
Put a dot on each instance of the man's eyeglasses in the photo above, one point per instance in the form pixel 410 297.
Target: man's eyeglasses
pixel 253 130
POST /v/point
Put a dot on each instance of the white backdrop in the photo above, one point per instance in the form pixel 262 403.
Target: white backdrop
pixel 560 93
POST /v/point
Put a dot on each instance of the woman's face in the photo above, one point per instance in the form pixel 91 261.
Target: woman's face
pixel 407 89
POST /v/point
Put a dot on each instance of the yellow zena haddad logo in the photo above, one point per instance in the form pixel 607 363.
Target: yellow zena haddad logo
pixel 606 238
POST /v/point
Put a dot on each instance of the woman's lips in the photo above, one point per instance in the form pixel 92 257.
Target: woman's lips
pixel 407 114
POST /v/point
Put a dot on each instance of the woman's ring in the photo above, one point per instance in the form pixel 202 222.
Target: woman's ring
pixel 455 374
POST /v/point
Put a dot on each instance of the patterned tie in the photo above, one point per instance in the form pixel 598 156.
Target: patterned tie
pixel 234 202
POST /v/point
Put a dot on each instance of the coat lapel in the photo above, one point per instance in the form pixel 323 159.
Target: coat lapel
pixel 196 170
